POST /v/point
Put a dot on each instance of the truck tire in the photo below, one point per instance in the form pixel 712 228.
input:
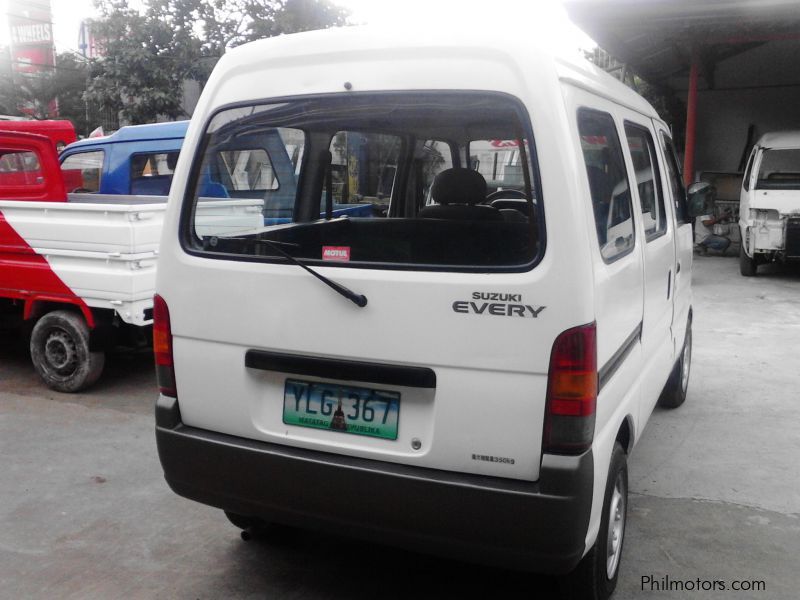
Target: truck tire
pixel 60 352
pixel 674 393
pixel 595 577
pixel 747 266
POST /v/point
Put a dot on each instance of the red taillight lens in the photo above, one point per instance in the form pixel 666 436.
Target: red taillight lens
pixel 162 348
pixel 571 392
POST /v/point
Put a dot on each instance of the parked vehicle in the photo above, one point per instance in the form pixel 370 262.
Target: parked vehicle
pixel 78 270
pixel 459 376
pixel 769 207
pixel 60 131
pixel 138 159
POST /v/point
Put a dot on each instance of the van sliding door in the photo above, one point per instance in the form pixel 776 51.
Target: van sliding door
pixel 659 259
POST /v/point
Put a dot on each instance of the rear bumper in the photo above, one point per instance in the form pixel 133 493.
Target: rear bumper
pixel 539 526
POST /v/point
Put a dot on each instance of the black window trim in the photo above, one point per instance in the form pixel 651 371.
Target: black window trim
pixel 188 238
pixel 677 203
pixel 649 237
pixel 597 111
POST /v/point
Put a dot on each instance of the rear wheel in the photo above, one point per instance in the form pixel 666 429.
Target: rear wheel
pixel 595 577
pixel 254 526
pixel 60 352
pixel 674 393
pixel 747 266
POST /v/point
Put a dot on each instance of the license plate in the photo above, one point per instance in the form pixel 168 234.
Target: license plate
pixel 344 408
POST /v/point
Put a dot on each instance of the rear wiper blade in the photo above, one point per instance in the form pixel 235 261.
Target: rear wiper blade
pixel 358 299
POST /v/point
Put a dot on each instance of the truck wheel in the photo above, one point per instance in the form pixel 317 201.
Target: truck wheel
pixel 674 393
pixel 60 352
pixel 747 266
pixel 595 577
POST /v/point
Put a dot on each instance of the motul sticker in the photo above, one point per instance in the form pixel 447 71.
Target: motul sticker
pixel 340 253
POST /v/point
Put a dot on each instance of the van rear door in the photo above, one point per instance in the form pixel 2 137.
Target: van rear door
pixel 446 365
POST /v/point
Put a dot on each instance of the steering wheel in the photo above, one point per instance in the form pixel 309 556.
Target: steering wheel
pixel 509 193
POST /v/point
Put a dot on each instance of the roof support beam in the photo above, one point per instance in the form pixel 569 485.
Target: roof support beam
pixel 691 121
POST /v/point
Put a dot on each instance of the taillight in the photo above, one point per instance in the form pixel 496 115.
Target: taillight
pixel 162 348
pixel 571 392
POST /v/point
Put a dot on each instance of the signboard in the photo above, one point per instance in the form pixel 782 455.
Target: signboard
pixel 32 51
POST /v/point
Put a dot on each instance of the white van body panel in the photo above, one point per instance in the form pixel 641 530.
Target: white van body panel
pixel 491 371
pixel 465 355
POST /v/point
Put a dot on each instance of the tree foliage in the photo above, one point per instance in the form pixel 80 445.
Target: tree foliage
pixel 33 95
pixel 148 54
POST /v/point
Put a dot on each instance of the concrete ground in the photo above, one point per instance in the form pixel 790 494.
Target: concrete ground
pixel 85 514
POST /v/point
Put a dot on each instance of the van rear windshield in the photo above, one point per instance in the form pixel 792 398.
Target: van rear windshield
pixel 779 170
pixel 395 180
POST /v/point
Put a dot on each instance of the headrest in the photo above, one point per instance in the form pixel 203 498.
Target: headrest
pixel 459 186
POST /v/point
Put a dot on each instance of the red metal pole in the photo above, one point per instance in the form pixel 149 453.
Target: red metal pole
pixel 691 123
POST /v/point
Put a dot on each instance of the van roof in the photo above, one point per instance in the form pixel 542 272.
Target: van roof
pixel 780 139
pixel 132 133
pixel 371 43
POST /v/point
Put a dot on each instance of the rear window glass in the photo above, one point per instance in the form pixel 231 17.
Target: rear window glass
pixel 151 174
pixel 779 169
pixel 20 168
pixel 392 180
pixel 83 171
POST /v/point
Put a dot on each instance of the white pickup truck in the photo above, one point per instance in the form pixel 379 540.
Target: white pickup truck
pixel 78 270
pixel 769 208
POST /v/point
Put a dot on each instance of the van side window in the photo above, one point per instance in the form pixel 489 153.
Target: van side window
pixel 82 172
pixel 648 180
pixel 675 181
pixel 608 183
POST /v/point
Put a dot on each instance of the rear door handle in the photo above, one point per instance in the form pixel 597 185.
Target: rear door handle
pixel 678 270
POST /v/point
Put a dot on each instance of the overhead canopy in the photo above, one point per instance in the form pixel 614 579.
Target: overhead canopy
pixel 657 38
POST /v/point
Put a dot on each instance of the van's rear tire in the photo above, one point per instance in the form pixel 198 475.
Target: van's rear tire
pixel 255 526
pixel 595 577
pixel 60 352
pixel 674 393
pixel 242 521
pixel 747 266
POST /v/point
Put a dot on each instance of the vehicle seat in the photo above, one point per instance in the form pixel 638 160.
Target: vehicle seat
pixel 459 193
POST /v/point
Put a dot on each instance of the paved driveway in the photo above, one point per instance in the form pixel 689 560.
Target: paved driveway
pixel 84 511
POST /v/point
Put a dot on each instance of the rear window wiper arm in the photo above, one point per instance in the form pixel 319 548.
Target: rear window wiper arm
pixel 358 299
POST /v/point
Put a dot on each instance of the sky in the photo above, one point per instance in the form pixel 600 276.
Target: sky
pixel 67 16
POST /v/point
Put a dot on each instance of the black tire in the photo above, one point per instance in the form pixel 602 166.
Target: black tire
pixel 256 527
pixel 674 393
pixel 60 352
pixel 747 266
pixel 242 521
pixel 591 580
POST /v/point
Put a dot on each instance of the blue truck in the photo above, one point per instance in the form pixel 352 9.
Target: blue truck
pixel 140 160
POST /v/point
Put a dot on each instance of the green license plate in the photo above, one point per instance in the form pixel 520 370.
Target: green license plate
pixel 344 408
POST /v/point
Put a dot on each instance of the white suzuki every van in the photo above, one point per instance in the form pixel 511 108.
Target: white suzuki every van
pixel 412 356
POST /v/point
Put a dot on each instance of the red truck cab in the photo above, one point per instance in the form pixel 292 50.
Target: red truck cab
pixel 60 131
